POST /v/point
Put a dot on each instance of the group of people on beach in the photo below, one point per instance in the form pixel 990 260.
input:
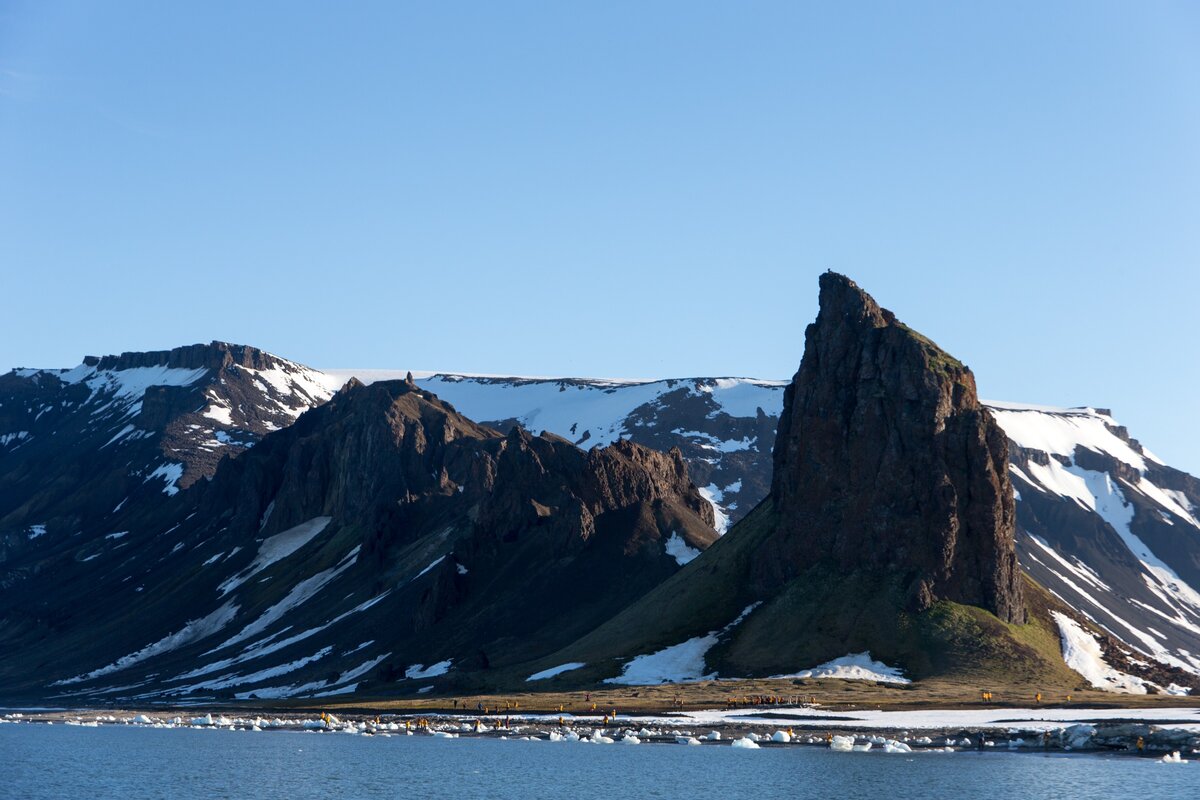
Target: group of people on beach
pixel 735 701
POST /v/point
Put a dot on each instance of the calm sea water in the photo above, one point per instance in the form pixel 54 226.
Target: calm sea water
pixel 38 761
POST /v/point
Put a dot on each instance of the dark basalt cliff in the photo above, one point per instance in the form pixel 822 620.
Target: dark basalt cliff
pixel 885 459
pixel 215 355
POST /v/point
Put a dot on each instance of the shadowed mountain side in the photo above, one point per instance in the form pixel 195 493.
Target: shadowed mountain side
pixel 381 529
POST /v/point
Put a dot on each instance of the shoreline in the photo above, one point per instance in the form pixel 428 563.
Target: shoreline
pixel 1091 731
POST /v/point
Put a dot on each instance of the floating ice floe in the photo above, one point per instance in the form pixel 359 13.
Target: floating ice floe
pixel 744 744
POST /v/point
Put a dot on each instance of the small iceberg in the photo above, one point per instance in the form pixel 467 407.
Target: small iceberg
pixel 842 744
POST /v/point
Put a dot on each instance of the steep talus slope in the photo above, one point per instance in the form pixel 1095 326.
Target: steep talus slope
pixel 383 539
pixel 890 528
pixel 77 443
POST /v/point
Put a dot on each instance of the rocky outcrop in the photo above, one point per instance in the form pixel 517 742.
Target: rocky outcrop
pixel 886 460
pixel 214 355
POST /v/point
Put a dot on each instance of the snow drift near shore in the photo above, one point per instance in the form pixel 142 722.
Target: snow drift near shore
pixel 680 663
pixel 853 667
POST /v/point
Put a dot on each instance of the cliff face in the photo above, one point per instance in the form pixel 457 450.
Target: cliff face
pixel 885 460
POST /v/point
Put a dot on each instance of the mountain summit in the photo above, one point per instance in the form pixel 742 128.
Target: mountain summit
pixel 885 459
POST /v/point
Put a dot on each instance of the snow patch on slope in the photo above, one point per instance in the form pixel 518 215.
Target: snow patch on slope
pixel 853 667
pixel 417 671
pixel 193 631
pixel 276 548
pixel 1082 653
pixel 680 663
pixel 714 496
pixel 680 550
pixel 302 592
pixel 552 671
pixel 170 473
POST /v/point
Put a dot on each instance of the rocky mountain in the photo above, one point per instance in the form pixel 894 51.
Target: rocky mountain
pixel 890 529
pixel 89 454
pixel 76 444
pixel 382 540
pixel 1108 528
pixel 1120 542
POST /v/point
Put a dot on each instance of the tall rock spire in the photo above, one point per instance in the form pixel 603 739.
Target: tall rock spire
pixel 884 459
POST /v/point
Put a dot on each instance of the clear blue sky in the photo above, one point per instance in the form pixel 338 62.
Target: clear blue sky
pixel 620 189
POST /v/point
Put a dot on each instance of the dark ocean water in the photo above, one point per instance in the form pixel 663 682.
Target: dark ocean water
pixel 39 761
